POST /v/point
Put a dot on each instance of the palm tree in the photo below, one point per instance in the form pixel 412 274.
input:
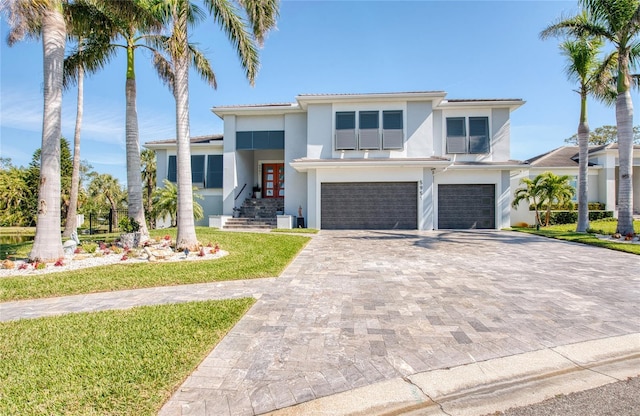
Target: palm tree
pixel 617 21
pixel 593 77
pixel 165 202
pixel 34 19
pixel 532 193
pixel 148 159
pixel 555 190
pixel 104 187
pixel 261 17
pixel 126 23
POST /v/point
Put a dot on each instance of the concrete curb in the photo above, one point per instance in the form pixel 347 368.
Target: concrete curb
pixel 489 386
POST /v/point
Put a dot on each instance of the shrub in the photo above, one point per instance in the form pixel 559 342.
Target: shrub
pixel 570 217
pixel 90 247
pixel 129 225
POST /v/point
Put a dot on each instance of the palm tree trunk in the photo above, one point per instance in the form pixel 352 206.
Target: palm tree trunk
pixel 583 143
pixel 624 119
pixel 47 245
pixel 71 223
pixel 135 208
pixel 186 235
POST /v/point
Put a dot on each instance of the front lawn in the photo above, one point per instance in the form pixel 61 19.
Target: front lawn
pixel 567 232
pixel 251 255
pixel 116 362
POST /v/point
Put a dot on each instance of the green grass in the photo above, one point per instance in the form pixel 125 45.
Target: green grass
pixel 567 232
pixel 108 363
pixel 251 255
pixel 296 230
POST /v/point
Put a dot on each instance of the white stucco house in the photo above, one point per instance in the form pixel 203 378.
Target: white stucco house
pixel 408 160
pixel 603 175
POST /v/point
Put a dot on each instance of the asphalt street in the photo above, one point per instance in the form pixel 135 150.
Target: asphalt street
pixel 615 399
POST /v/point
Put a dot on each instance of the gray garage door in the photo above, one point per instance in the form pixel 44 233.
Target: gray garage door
pixel 466 206
pixel 369 206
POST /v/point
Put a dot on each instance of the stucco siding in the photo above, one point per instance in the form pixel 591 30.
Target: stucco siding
pixel 162 168
pixel 211 205
pixel 419 130
pixel 260 123
pixel 500 134
pixel 295 148
pixel 319 131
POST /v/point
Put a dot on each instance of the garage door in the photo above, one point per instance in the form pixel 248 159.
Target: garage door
pixel 466 206
pixel 369 206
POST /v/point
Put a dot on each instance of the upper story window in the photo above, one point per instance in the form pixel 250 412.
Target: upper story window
pixel 477 140
pixel 369 125
pixel 202 176
pixel 392 129
pixel 346 130
pixel 260 140
pixel 367 134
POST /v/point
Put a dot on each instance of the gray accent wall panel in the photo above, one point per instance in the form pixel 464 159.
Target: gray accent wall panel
pixel 369 205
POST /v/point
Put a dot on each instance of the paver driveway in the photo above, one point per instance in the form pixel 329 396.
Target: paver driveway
pixel 356 308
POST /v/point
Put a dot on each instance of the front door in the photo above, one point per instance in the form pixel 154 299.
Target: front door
pixel 273 180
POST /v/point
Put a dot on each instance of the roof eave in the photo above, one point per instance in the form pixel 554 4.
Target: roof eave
pixel 510 104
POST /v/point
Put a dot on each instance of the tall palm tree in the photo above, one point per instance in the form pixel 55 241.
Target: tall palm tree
pixel 35 18
pixel 245 36
pixel 130 24
pixel 70 224
pixel 594 77
pixel 148 159
pixel 617 21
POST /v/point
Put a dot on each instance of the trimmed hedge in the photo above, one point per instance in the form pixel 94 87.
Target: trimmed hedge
pixel 593 206
pixel 571 217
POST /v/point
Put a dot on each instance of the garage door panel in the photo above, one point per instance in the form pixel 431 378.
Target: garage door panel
pixel 369 205
pixel 463 206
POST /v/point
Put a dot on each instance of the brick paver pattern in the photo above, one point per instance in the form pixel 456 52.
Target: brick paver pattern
pixel 356 308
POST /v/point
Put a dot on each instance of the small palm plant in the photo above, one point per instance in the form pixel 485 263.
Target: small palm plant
pixel 165 202
pixel 545 189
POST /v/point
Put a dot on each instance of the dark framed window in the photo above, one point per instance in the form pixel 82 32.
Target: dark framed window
pixel 214 171
pixel 392 124
pixel 260 140
pixel 345 120
pixel 197 170
pixel 392 120
pixel 456 135
pixel 346 130
pixel 369 135
pixel 479 135
pixel 172 171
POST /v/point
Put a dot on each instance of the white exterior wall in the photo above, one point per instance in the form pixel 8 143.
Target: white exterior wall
pixel 419 130
pixel 295 147
pixel 256 123
pixel 319 131
pixel 230 166
pixel 500 128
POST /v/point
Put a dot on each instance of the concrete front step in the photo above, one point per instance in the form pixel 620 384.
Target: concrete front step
pixel 240 223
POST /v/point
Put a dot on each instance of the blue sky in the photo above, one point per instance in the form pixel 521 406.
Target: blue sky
pixel 470 49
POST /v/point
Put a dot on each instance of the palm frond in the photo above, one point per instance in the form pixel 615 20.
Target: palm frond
pixel 24 18
pixel 92 55
pixel 202 66
pixel 262 15
pixel 603 80
pixel 228 16
pixel 576 27
pixel 164 69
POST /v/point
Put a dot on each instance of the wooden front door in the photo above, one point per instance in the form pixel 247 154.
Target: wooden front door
pixel 273 180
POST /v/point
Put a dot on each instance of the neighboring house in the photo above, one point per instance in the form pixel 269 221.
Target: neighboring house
pixel 413 160
pixel 602 176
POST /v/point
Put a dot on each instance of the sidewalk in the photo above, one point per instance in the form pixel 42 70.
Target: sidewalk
pixel 491 386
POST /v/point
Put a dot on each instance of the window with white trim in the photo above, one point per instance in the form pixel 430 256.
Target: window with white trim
pixel 365 134
pixel 476 141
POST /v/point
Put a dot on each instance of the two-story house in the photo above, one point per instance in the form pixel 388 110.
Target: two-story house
pixel 412 160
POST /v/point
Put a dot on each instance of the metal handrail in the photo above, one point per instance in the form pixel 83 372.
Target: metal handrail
pixel 240 193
